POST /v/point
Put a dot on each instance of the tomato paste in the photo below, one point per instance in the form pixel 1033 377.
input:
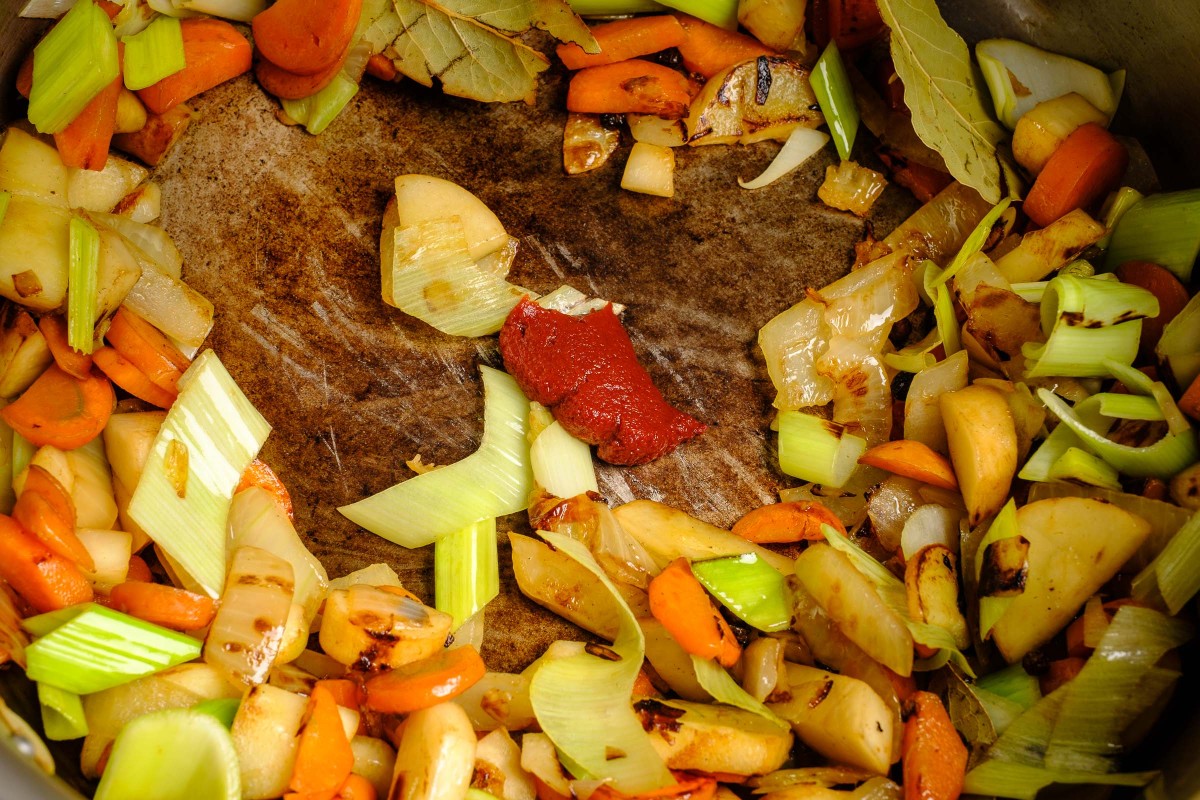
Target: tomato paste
pixel 585 371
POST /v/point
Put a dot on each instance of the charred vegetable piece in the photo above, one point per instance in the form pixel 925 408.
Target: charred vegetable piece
pixel 766 98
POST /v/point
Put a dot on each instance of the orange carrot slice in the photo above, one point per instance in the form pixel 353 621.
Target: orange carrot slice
pixel 147 348
pixel 380 66
pixel 214 51
pixel 69 360
pixel 305 37
pixel 686 787
pixel 912 459
pixel 25 76
pixel 177 609
pixel 324 758
pixel 707 49
pixel 679 602
pixel 633 86
pixel 46 510
pixel 356 787
pixel 784 523
pixel 139 570
pixel 84 143
pixel 45 579
pixel 934 757
pixel 625 38
pixel 1162 283
pixel 260 475
pixel 61 410
pixel 1088 163
pixel 124 374
pixel 1190 402
pixel 293 86
pixel 425 683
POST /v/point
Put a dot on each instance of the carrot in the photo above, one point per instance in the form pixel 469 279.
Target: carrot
pixel 686 787
pixel 1162 283
pixel 160 133
pixel 780 523
pixel 912 459
pixel 905 685
pixel 1190 402
pixel 46 510
pixel 45 579
pixel 625 38
pixel 324 758
pixel 124 374
pixel 139 570
pixel 214 51
pixel 260 475
pixel 69 360
pixel 679 602
pixel 25 76
pixel 934 757
pixel 544 791
pixel 293 86
pixel 84 143
pixel 1085 166
pixel 633 86
pixel 110 8
pixel 356 787
pixel 305 37
pixel 854 23
pixel 177 609
pixel 1060 672
pixel 707 49
pixel 344 691
pixel 426 682
pixel 148 348
pixel 61 410
pixel 380 66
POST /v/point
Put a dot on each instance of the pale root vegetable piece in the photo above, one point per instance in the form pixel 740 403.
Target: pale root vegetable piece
pixel 922 407
pixel 840 717
pixel 742 104
pixel 931 581
pixel 34 253
pixel 31 168
pixel 143 204
pixel 670 661
pixel 982 439
pixel 424 198
pixel 1075 546
pixel 850 600
pixel 656 130
pixel 375 760
pixel 110 551
pixel 436 755
pixel 775 23
pixel 650 170
pixel 24 353
pixel 203 680
pixel 374 628
pixel 1044 127
pixel 498 699
pixel 118 271
pixel 103 189
pixel 498 768
pixel 108 711
pixel 264 735
pixel 716 738
pixel 1046 249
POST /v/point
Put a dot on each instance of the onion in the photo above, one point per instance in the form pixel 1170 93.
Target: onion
pixel 889 506
pixel 801 145
pixel 922 409
pixel 930 524
pixel 938 229
pixel 247 632
pixel 850 187
pixel 498 699
pixel 762 666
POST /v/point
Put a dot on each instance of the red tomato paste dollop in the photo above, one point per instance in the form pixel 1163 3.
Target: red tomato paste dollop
pixel 585 371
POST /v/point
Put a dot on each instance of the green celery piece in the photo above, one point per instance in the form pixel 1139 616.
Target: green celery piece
pixel 223 708
pixel 89 648
pixel 466 570
pixel 722 13
pixel 1163 229
pixel 221 433
pixel 614 8
pixel 751 588
pixel 71 65
pixel 817 450
pixel 62 713
pixel 82 276
pixel 831 84
pixel 317 111
pixel 154 53
pixel 493 481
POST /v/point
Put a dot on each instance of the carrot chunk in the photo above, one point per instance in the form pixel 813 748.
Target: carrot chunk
pixel 785 523
pixel 1162 283
pixel 215 52
pixel 69 360
pixel 912 459
pixel 147 348
pixel 633 86
pixel 84 143
pixel 324 758
pixel 934 757
pixel 625 38
pixel 1088 163
pixel 260 475
pixel 125 374
pixel 707 49
pixel 679 602
pixel 61 410
pixel 293 86
pixel 305 37
pixel 45 579
pixel 177 609
pixel 46 510
pixel 427 682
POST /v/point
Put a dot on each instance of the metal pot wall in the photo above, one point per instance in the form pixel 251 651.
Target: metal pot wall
pixel 278 229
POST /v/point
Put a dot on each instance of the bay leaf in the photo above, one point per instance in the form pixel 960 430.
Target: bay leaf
pixel 942 91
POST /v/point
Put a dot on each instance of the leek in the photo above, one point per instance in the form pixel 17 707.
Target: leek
pixel 909 362
pixel 1163 229
pixel 1094 302
pixel 722 13
pixel 1012 683
pixel 1023 781
pixel 493 481
pixel 943 310
pixel 589 689
pixel 82 276
pixel 317 111
pixel 831 85
pixel 71 65
pixel 1137 381
pixel 724 689
pixel 1004 526
pixel 1000 710
pixel 1081 466
pixel 1025 739
pixel 88 648
pixel 1179 345
pixel 466 570
pixel 974 243
pixel 817 450
pixel 1115 206
pixel 1164 458
pixel 1072 351
pixel 562 464
pixel 1176 570
pixel 613 8
pixel 62 713
pixel 749 587
pixel 801 145
pixel 223 708
pixel 1039 465
pixel 1129 406
pixel 154 53
pixel 185 511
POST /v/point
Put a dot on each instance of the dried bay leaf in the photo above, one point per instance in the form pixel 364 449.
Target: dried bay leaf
pixel 943 94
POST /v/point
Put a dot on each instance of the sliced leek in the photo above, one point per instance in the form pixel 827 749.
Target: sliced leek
pixel 1004 526
pixel 1129 406
pixel 493 481
pixel 995 778
pixel 562 464
pixel 1176 570
pixel 724 689
pixel 185 510
pixel 1179 346
pixel 1080 466
pixel 943 309
pixel 1163 229
pixel 82 276
pixel 749 587
pixel 1012 683
pixel 1073 351
pixel 831 85
pixel 75 60
pixel 154 53
pixel 466 570
pixel 817 450
pixel 975 241
pixel 62 713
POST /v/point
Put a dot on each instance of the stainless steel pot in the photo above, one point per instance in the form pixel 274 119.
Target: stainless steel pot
pixel 279 230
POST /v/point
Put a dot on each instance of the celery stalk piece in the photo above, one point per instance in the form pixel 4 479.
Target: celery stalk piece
pixel 76 59
pixel 1081 466
pixel 562 464
pixel 994 778
pixel 466 570
pixel 1114 208
pixel 89 648
pixel 1129 406
pixel 62 713
pixel 1180 343
pixel 317 111
pixel 223 708
pixel 750 588
pixel 154 53
pixel 816 449
pixel 832 87
pixel 713 678
pixel 613 8
pixel 493 481
pixel 177 754
pixel 586 688
pixel 975 241
pixel 1012 683
pixel 1162 228
pixel 82 275
pixel 210 435
pixel 1176 570
pixel 722 13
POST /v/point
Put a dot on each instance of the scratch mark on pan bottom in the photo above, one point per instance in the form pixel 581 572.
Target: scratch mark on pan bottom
pixel 331 446
pixel 748 477
pixel 547 256
pixel 614 484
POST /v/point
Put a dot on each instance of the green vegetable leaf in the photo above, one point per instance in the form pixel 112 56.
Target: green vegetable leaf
pixel 470 46
pixel 942 92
